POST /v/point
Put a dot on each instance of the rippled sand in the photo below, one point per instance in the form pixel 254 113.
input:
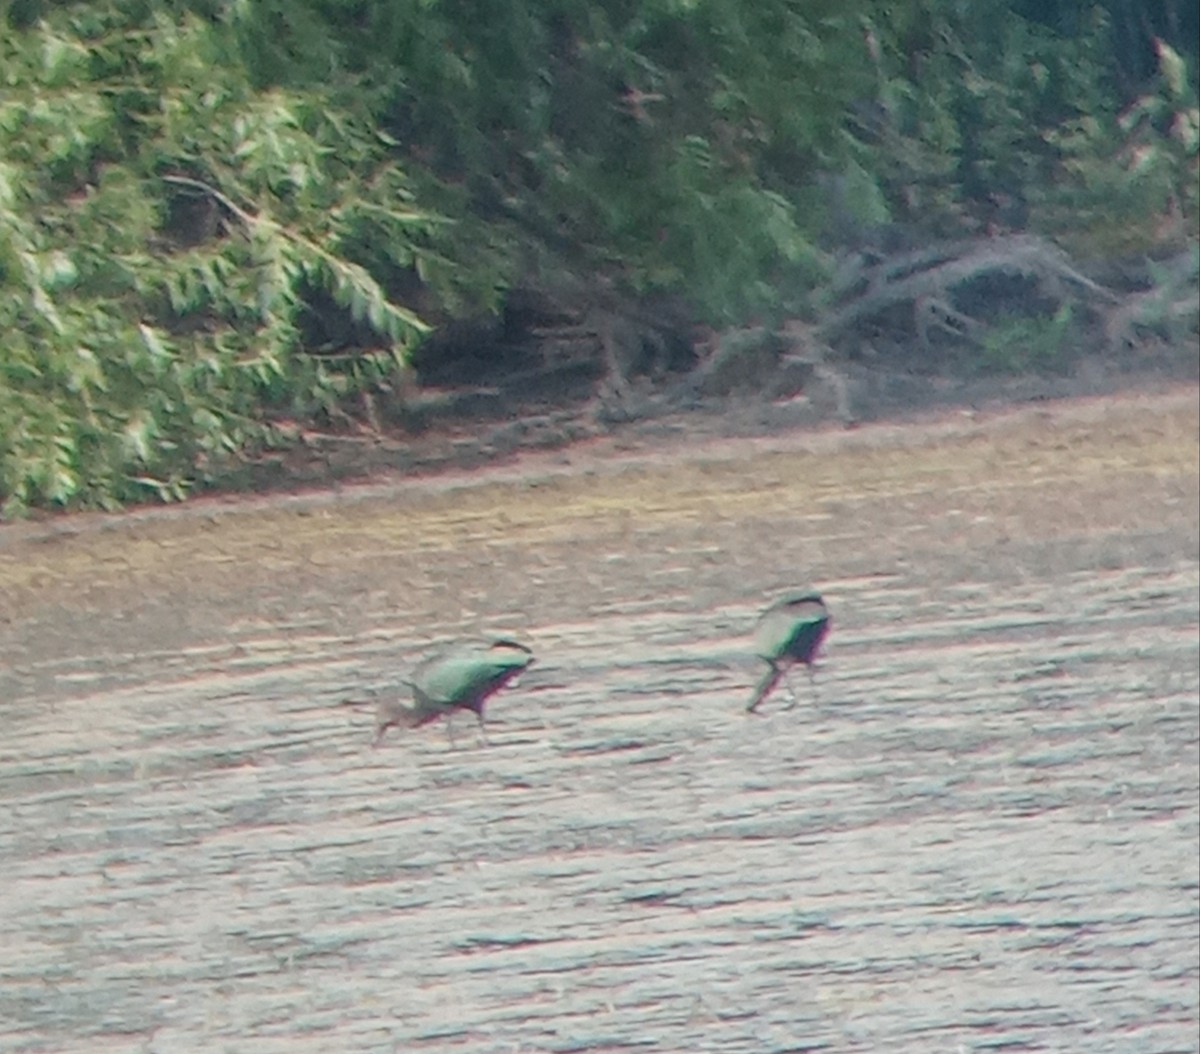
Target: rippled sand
pixel 982 833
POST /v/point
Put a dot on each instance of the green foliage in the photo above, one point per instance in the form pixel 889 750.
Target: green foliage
pixel 964 95
pixel 1022 344
pixel 1134 176
pixel 988 118
pixel 656 143
pixel 160 227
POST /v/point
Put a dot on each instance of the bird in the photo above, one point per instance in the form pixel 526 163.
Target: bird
pixel 461 676
pixel 789 632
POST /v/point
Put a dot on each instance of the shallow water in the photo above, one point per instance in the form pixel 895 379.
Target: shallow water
pixel 981 833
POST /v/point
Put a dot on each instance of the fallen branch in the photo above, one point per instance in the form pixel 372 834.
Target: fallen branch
pixel 926 281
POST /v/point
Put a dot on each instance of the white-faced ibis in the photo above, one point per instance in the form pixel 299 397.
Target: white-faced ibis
pixel 461 676
pixel 789 632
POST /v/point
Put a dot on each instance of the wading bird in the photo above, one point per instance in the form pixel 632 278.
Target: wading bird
pixel 461 676
pixel 789 632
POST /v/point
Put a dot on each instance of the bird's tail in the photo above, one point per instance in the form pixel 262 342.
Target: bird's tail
pixel 764 687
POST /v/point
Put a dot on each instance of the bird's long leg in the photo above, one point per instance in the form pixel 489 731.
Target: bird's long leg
pixel 450 728
pixel 483 738
pixel 812 685
pixel 787 683
pixel 764 686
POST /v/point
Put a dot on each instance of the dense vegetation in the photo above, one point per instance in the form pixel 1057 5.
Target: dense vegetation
pixel 219 218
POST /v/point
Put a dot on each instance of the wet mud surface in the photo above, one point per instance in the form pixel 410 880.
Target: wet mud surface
pixel 980 834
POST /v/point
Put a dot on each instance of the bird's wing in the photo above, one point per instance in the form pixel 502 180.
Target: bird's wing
pixel 460 673
pixel 781 623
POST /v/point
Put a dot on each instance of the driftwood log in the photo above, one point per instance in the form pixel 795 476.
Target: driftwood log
pixel 927 283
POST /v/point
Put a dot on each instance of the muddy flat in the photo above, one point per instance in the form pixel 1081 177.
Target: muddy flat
pixel 980 832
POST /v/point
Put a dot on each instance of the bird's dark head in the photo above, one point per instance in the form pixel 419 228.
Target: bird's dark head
pixel 799 597
pixel 512 651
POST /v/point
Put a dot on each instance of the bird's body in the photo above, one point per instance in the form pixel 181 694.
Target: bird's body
pixel 790 631
pixel 459 677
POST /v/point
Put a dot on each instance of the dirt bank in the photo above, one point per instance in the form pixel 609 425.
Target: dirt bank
pixel 954 491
